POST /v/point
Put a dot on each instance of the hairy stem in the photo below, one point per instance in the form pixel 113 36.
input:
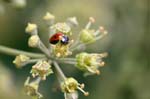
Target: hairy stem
pixel 14 52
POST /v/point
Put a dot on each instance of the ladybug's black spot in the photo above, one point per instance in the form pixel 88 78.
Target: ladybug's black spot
pixel 54 41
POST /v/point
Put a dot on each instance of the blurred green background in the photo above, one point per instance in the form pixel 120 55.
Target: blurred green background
pixel 127 71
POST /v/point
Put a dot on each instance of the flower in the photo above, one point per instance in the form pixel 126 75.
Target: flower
pixel 62 27
pixel 31 88
pixel 90 62
pixel 31 28
pixel 60 47
pixel 34 41
pixel 20 60
pixel 88 35
pixel 61 50
pixel 41 69
pixel 70 85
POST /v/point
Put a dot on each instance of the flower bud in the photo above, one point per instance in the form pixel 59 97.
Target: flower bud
pixel 48 17
pixel 20 60
pixel 34 41
pixel 72 21
pixel 41 69
pixel 31 28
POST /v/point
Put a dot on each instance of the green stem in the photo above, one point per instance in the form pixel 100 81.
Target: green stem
pixel 67 59
pixel 31 61
pixel 67 62
pixel 14 52
pixel 60 75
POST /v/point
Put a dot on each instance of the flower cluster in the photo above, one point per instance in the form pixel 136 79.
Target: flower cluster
pixel 59 50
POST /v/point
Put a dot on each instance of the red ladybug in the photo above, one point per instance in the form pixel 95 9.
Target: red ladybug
pixel 59 37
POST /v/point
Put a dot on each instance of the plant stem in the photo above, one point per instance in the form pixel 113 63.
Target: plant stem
pixel 43 48
pixel 60 75
pixel 14 52
pixel 31 61
pixel 67 59
pixel 67 62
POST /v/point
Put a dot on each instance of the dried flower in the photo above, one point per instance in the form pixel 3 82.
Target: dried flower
pixel 41 69
pixel 20 60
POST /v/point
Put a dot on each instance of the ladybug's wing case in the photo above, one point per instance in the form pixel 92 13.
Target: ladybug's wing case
pixel 54 41
pixel 56 38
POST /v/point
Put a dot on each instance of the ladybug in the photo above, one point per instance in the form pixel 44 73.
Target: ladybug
pixel 59 37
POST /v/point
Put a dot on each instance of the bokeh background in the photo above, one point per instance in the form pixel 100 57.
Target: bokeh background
pixel 127 71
